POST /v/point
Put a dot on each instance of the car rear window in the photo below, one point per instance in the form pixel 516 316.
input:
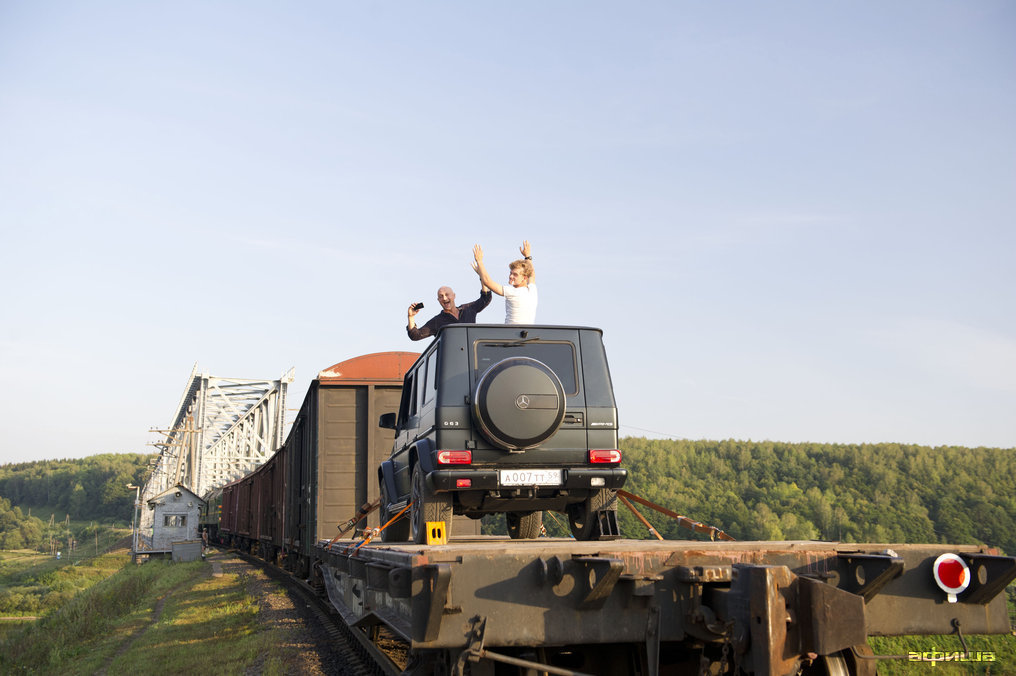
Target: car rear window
pixel 558 355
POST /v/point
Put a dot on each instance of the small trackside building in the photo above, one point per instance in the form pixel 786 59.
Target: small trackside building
pixel 177 513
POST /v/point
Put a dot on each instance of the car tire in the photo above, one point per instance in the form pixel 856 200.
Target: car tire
pixel 522 526
pixel 582 516
pixel 427 506
pixel 398 531
pixel 518 403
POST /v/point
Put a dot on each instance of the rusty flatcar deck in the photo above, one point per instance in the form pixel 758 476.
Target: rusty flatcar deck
pixel 816 597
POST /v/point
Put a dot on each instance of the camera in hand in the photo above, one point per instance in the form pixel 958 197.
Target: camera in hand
pixel 417 307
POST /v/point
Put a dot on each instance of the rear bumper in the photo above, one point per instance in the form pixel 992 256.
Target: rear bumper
pixel 487 479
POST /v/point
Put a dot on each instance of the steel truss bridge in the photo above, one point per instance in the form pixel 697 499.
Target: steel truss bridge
pixel 223 429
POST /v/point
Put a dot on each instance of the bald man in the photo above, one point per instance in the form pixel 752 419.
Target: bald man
pixel 450 313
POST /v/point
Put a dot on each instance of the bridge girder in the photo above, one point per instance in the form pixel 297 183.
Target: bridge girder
pixel 223 429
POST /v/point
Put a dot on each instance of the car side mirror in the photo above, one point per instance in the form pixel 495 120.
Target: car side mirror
pixel 387 421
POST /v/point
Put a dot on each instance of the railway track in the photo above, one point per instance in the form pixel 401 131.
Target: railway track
pixel 353 651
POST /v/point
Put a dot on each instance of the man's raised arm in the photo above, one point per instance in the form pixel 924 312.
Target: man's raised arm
pixel 482 272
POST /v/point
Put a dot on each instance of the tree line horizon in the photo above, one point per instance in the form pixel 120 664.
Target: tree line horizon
pixel 753 490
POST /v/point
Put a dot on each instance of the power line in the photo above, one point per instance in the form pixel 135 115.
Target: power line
pixel 662 434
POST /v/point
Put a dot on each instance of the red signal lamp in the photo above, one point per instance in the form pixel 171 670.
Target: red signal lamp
pixel 952 575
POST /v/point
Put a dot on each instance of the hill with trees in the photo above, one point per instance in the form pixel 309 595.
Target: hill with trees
pixel 88 488
pixel 18 531
pixel 855 493
pixel 753 490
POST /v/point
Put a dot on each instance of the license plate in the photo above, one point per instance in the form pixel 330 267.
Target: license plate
pixel 530 477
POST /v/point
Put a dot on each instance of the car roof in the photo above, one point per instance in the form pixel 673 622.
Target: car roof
pixel 515 327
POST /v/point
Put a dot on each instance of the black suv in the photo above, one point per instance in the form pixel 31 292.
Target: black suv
pixel 505 418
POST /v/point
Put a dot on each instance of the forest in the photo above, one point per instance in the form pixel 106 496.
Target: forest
pixel 753 490
pixel 87 488
pixel 762 490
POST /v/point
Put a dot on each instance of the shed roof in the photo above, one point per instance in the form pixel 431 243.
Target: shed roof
pixel 174 489
pixel 379 368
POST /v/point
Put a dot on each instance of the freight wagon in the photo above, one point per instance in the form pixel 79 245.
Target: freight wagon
pixel 488 605
pixel 324 472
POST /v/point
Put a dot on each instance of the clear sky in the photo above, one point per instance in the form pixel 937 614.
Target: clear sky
pixel 793 221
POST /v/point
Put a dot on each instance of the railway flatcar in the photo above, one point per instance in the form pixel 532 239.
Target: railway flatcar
pixel 596 604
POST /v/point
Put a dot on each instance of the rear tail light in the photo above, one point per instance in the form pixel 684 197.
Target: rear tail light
pixel 611 456
pixel 463 483
pixel 454 457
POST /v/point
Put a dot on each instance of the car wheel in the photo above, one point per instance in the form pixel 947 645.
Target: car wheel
pixel 396 532
pixel 582 516
pixel 523 526
pixel 518 403
pixel 427 506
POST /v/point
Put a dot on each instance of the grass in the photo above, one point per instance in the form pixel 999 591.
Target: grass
pixel 34 584
pixel 176 618
pixel 21 565
pixel 13 563
pixel 198 620
pixel 85 621
pixel 1001 647
pixel 172 617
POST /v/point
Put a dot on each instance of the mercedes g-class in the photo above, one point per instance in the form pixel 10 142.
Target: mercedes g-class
pixel 513 419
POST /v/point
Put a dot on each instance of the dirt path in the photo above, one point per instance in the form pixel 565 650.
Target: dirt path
pixel 308 647
pixel 156 615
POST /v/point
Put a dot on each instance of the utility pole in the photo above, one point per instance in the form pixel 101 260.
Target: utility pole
pixel 134 513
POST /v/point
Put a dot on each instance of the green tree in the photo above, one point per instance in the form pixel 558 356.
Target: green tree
pixel 854 493
pixel 77 504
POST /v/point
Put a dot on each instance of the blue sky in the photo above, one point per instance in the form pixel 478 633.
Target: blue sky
pixel 794 221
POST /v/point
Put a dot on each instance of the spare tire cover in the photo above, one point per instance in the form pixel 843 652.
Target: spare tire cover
pixel 518 403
